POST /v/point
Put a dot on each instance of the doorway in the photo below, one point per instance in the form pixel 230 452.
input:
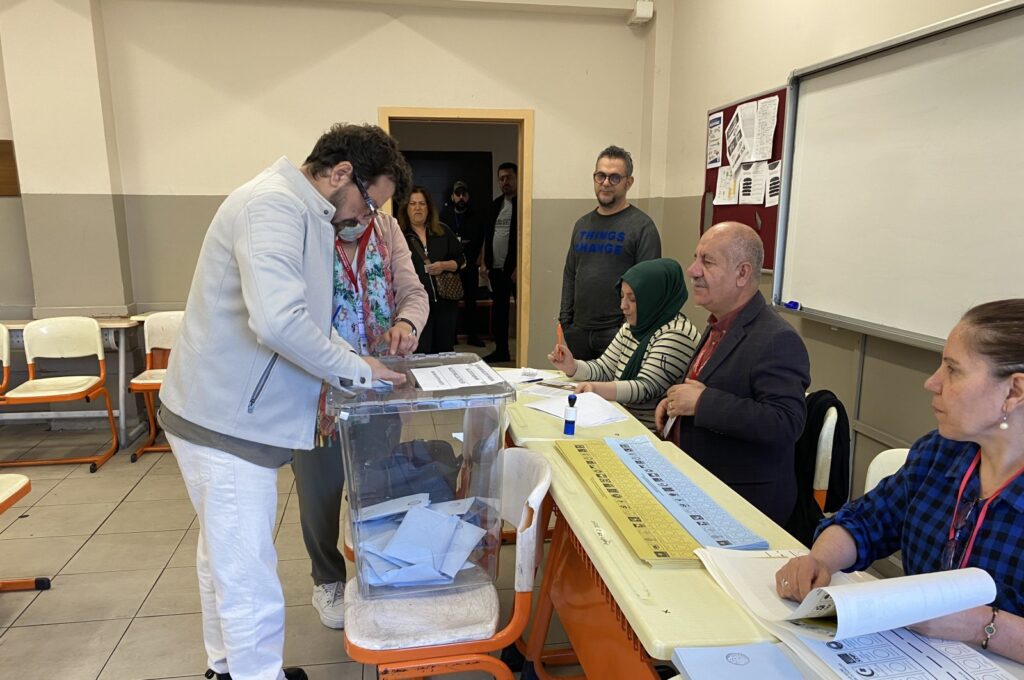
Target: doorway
pixel 444 145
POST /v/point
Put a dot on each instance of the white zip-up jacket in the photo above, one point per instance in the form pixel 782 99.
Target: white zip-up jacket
pixel 256 340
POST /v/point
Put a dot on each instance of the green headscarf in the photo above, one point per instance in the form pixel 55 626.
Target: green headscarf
pixel 660 289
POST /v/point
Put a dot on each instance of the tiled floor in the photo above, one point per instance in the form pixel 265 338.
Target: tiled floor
pixel 120 547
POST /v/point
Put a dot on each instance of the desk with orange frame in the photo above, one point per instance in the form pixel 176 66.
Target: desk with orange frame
pixel 621 615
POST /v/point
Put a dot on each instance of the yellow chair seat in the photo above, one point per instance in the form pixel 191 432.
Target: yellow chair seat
pixel 148 379
pixel 48 388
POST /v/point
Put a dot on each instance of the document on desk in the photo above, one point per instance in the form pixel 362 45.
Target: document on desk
pixel 698 513
pixel 760 661
pixel 455 376
pixel 550 388
pixel 592 410
pixel 858 605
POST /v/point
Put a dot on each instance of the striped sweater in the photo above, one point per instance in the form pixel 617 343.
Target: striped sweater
pixel 665 363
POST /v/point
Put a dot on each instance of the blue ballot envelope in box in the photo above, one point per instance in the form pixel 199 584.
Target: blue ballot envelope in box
pixel 424 480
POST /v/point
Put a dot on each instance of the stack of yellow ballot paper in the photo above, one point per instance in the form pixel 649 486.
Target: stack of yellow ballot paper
pixel 649 529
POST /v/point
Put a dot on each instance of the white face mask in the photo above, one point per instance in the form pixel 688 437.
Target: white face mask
pixel 351 234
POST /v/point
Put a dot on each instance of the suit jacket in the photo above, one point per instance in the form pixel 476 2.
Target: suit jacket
pixel 513 251
pixel 753 410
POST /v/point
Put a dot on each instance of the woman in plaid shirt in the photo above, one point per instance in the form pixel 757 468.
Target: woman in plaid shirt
pixel 958 501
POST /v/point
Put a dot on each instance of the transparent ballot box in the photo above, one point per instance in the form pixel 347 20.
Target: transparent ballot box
pixel 423 475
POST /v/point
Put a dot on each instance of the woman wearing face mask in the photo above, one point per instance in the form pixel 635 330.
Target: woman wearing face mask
pixel 958 501
pixel 651 351
pixel 379 309
pixel 436 253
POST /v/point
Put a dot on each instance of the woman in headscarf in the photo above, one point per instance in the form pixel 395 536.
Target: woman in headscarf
pixel 652 350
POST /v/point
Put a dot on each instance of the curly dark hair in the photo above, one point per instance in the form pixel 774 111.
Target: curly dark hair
pixel 371 151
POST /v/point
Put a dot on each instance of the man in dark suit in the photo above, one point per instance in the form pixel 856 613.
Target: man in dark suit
pixel 741 408
pixel 500 250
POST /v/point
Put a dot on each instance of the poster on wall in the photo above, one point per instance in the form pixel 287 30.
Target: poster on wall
pixel 715 121
pixel 764 133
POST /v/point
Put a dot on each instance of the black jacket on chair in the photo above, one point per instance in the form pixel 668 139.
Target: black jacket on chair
pixel 807 514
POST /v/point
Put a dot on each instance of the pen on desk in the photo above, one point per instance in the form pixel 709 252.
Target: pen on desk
pixel 530 380
pixel 570 417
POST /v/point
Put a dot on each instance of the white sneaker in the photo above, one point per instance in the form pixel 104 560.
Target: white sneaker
pixel 329 601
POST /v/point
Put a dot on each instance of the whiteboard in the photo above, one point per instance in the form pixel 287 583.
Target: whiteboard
pixel 904 187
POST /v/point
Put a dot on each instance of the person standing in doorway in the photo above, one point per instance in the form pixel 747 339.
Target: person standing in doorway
pixel 461 218
pixel 499 257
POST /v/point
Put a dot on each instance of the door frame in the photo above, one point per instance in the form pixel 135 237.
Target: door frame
pixel 523 119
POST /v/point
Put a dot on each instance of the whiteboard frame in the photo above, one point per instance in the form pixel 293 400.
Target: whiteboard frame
pixel 792 96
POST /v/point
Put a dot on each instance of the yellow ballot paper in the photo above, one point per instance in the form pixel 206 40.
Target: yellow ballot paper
pixel 649 529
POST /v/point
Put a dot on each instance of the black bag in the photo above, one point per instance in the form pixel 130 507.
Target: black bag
pixel 447 285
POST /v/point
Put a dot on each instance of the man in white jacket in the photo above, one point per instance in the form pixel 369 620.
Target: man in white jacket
pixel 244 379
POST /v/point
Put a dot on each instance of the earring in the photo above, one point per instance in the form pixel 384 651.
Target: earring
pixel 1004 425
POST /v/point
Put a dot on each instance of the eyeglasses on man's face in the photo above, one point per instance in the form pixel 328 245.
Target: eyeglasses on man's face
pixel 370 203
pixel 613 178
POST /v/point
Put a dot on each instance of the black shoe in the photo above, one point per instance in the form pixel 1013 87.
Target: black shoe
pixel 293 673
pixel 476 342
pixel 497 357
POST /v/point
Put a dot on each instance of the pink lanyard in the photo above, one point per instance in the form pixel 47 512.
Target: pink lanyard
pixel 984 508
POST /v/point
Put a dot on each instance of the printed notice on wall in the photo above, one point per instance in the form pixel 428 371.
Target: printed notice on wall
pixel 774 186
pixel 764 128
pixel 715 121
pixel 750 181
pixel 725 191
pixel 739 132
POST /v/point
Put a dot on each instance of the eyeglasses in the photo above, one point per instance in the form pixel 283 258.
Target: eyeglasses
pixel 370 203
pixel 613 178
pixel 953 552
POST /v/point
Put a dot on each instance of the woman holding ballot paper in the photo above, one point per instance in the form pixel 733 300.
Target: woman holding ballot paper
pixel 650 352
pixel 958 501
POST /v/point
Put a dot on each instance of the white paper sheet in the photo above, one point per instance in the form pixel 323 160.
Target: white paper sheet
pixel 760 661
pixel 518 376
pixel 739 135
pixel 862 605
pixel 725 189
pixel 764 128
pixel 903 654
pixel 548 389
pixel 715 125
pixel 591 409
pixel 773 186
pixel 455 376
pixel 393 506
pixel 750 182
pixel 456 507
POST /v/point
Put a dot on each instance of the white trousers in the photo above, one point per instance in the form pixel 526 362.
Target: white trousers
pixel 243 604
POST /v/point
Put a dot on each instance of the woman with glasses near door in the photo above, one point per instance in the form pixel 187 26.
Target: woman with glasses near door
pixel 958 501
pixel 437 256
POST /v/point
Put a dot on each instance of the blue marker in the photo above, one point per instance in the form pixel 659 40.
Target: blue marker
pixel 570 416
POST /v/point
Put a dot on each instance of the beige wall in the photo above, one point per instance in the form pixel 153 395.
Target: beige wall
pixel 190 99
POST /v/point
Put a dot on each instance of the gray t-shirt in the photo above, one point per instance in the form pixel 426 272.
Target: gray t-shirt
pixel 602 248
pixel 502 228
pixel 263 455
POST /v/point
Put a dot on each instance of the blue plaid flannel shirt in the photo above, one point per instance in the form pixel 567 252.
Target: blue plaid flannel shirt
pixel 912 510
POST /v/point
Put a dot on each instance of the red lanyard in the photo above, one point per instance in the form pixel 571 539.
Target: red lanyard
pixel 984 508
pixel 360 255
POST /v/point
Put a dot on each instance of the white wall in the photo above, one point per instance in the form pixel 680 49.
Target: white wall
pixel 5 111
pixel 207 93
pixel 729 49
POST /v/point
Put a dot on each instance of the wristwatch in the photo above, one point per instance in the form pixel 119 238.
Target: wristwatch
pixel 415 331
pixel 990 628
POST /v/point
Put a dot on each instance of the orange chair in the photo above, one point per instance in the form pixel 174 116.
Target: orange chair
pixel 5 359
pixel 451 631
pixel 12 489
pixel 64 338
pixel 160 330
